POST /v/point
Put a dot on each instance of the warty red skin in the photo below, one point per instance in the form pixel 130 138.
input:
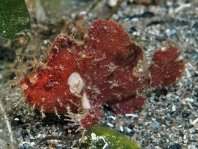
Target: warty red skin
pixel 106 62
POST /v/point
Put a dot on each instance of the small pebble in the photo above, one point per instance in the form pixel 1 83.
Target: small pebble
pixel 175 146
pixel 154 124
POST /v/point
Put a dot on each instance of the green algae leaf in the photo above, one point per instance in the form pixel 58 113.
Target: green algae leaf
pixel 99 137
pixel 14 19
